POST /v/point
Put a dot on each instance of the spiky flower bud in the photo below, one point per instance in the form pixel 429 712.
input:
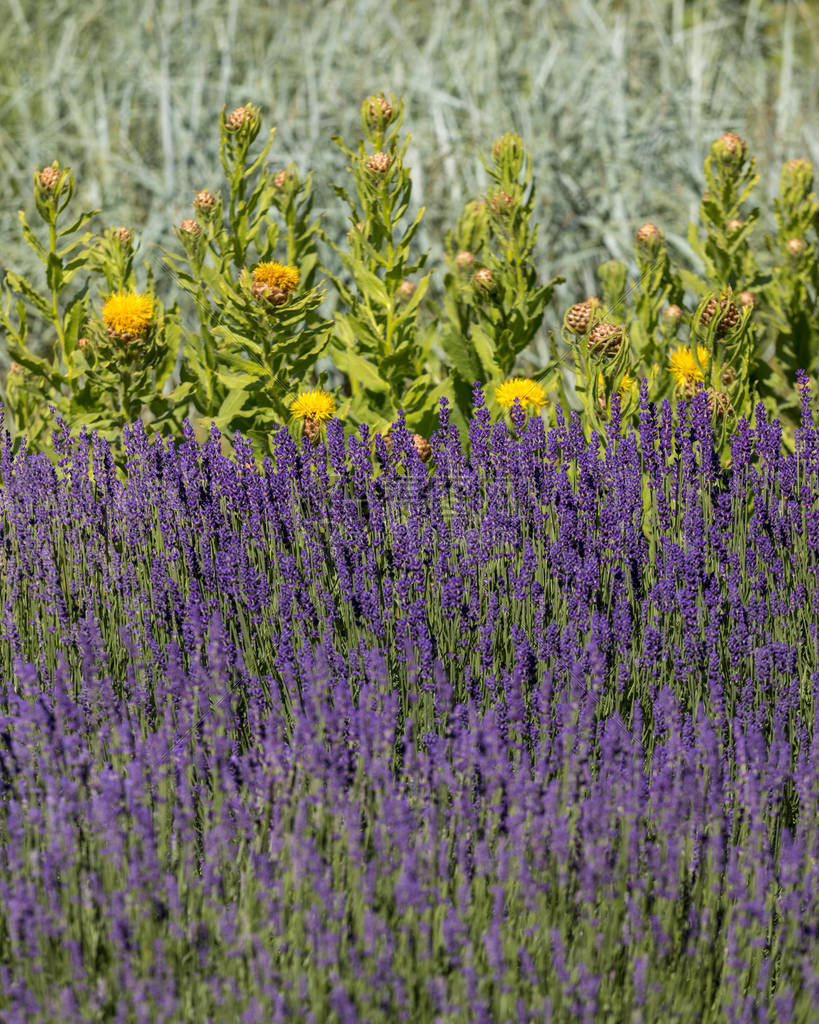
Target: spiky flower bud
pixel 405 292
pixel 501 202
pixel 422 447
pixel 648 237
pixel 718 403
pixel 605 340
pixel 281 178
pixel 672 315
pixel 578 317
pixel 379 163
pixel 49 177
pixel 190 227
pixel 204 202
pixel 464 259
pixel 83 343
pixel 746 299
pixel 378 106
pixel 124 237
pixel 241 118
pixel 730 316
pixel 483 279
pixel 730 148
pixel 797 246
pixel 727 376
pixel 15 369
pixel 734 225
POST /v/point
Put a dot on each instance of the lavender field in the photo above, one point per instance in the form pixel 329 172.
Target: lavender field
pixel 528 736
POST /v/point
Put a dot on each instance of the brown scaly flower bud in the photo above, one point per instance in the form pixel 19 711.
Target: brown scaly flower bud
pixel 83 343
pixel 727 376
pixel 124 237
pixel 719 403
pixel 204 202
pixel 797 246
pixel 378 103
pixel 405 292
pixel 730 316
pixel 238 118
pixel 15 369
pixel 672 315
pixel 730 148
pixel 734 225
pixel 605 340
pixel 483 279
pixel 422 447
pixel 648 237
pixel 48 178
pixel 312 429
pixel 746 299
pixel 379 163
pixel 281 178
pixel 464 259
pixel 189 227
pixel 578 317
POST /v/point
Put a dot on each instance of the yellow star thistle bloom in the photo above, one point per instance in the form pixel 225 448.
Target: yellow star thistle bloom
pixel 128 313
pixel 626 384
pixel 527 391
pixel 277 277
pixel 683 366
pixel 314 405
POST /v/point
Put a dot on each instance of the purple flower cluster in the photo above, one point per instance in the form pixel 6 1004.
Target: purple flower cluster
pixel 524 736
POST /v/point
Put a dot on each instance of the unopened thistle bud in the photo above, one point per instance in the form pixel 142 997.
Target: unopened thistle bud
pixel 483 279
pixel 83 343
pixel 718 403
pixel 48 178
pixel 204 202
pixel 734 225
pixel 124 237
pixel 377 105
pixel 605 340
pixel 422 447
pixel 648 238
pixel 464 259
pixel 672 315
pixel 15 369
pixel 727 376
pixel 730 315
pixel 379 163
pixel 405 292
pixel 797 246
pixel 190 227
pixel 730 148
pixel 281 178
pixel 240 118
pixel 578 317
pixel 501 202
pixel 746 299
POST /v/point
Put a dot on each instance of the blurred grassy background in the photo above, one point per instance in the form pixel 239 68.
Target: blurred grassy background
pixel 618 101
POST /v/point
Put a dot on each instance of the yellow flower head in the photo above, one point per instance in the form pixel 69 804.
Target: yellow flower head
pixel 277 277
pixel 628 383
pixel 314 405
pixel 528 391
pixel 128 313
pixel 684 367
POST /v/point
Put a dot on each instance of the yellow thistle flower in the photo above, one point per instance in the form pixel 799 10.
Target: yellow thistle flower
pixel 128 313
pixel 314 405
pixel 684 367
pixel 528 391
pixel 628 383
pixel 276 276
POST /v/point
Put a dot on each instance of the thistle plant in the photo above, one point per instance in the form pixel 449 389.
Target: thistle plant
pixel 493 303
pixel 377 340
pixel 259 334
pixel 113 348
